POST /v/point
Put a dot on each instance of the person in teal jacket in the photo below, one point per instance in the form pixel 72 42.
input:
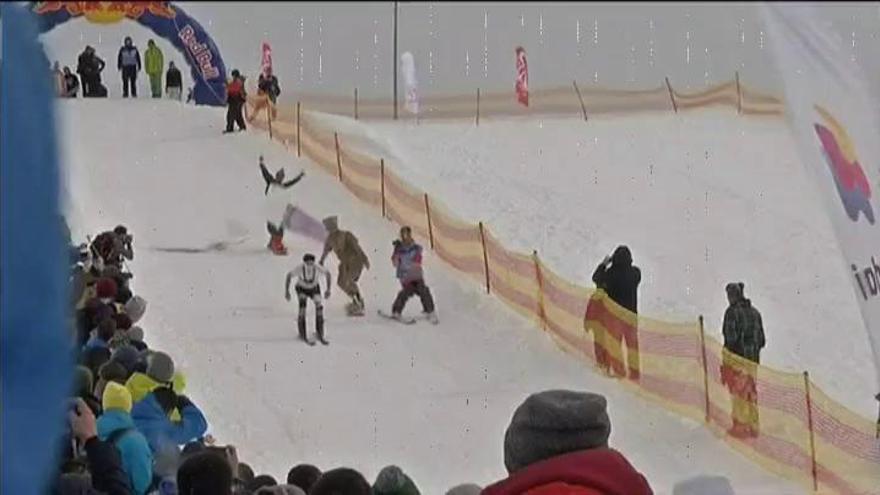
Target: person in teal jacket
pixel 117 427
pixel 151 418
pixel 155 66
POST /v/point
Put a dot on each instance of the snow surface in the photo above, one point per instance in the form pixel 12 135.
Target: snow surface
pixel 702 199
pixel 418 396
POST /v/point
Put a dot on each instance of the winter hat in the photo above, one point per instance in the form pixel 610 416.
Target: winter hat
pixel 280 490
pixel 114 371
pixel 106 288
pixel 555 422
pixel 736 289
pixel 117 397
pixel 205 473
pixel 303 476
pixel 466 489
pixel 393 481
pixel 135 333
pixel 123 321
pixel 246 473
pixel 261 481
pixel 135 308
pixel 84 381
pixel 341 480
pixel 160 367
pixel 331 223
pixel 95 357
pixel 127 356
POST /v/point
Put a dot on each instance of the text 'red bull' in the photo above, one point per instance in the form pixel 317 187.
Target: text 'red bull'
pixel 199 51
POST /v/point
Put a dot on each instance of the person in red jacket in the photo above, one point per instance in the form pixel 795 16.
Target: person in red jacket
pixel 235 100
pixel 557 443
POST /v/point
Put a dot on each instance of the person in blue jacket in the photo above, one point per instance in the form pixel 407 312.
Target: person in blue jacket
pixel 117 427
pixel 407 261
pixel 151 416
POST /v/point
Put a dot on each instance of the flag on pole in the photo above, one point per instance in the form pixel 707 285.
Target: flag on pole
pixel 266 61
pixel 835 118
pixel 522 76
pixel 410 85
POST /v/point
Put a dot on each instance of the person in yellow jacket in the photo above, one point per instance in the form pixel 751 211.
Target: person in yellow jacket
pixel 160 373
pixel 155 67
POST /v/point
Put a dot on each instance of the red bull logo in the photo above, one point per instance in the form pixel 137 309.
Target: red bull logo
pixel 849 176
pixel 107 12
pixel 200 52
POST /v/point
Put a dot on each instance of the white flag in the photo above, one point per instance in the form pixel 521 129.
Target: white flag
pixel 408 70
pixel 835 119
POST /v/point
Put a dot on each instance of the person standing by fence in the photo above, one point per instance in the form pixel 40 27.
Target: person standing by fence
pixel 743 337
pixel 154 63
pixel 620 279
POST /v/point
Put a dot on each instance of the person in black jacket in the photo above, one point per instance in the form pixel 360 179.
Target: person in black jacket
pixel 268 91
pixel 71 83
pixel 89 67
pixel 620 280
pixel 129 63
pixel 173 82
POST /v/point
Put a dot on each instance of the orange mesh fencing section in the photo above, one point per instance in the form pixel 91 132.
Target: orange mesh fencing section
pixel 755 103
pixel 513 278
pixel 720 95
pixel 564 308
pixel 458 243
pixel 362 176
pixel 405 204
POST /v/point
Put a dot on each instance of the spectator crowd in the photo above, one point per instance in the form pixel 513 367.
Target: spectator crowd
pixel 90 66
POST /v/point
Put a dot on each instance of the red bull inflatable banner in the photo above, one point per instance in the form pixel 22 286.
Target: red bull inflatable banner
pixel 162 18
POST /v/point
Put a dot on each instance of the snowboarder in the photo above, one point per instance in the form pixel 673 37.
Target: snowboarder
pixel 407 260
pixel 129 63
pixel 743 337
pixel 278 178
pixel 236 96
pixel 620 280
pixel 352 262
pixel 308 287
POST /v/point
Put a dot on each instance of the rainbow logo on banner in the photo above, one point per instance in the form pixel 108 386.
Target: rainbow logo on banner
pixel 849 177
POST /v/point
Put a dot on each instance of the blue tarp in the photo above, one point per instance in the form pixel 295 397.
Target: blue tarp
pixel 35 367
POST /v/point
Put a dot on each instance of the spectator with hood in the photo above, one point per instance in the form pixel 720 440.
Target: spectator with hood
pixel 743 340
pixel 619 278
pixel 173 82
pixel 154 65
pixel 129 63
pixel 557 442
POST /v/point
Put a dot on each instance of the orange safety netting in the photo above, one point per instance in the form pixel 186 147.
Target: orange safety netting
pixel 780 420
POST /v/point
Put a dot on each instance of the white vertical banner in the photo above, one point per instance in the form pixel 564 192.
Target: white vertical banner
pixel 410 85
pixel 835 119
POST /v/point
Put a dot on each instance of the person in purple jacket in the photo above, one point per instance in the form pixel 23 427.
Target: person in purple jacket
pixel 407 260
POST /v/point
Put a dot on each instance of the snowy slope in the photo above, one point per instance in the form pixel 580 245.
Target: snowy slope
pixel 702 199
pixel 419 396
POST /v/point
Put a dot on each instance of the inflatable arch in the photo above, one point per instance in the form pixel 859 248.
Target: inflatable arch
pixel 165 20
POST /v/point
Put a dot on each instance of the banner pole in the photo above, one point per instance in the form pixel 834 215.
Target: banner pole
pixel 705 368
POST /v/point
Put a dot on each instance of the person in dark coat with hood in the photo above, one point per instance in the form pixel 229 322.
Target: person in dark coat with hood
pixel 743 340
pixel 619 279
pixel 557 442
pixel 129 63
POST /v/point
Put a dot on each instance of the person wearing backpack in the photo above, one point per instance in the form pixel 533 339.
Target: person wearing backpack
pixel 117 427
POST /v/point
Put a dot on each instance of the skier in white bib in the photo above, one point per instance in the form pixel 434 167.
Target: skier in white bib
pixel 308 287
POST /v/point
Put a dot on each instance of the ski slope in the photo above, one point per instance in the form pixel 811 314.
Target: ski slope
pixel 418 396
pixel 701 198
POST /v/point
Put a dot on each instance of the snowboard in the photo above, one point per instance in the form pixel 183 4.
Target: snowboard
pixel 408 320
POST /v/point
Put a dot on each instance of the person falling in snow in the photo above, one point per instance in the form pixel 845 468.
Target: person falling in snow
pixel 352 262
pixel 407 260
pixel 277 179
pixel 276 231
pixel 307 287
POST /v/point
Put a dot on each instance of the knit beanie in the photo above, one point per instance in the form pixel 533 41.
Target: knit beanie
pixel 160 367
pixel 393 481
pixel 261 481
pixel 205 473
pixel 135 333
pixel 553 423
pixel 106 288
pixel 113 371
pixel 127 356
pixel 135 308
pixel 341 480
pixel 303 476
pixel 116 397
pixel 466 489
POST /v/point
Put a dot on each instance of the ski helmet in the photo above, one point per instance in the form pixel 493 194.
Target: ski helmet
pixel 309 258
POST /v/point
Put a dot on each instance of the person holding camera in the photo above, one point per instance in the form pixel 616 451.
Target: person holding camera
pixel 620 279
pixel 113 247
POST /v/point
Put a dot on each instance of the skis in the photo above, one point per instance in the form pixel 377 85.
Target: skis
pixel 409 320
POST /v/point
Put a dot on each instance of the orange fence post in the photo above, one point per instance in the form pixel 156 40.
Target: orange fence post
pixel 671 96
pixel 338 159
pixel 382 185
pixel 485 257
pixel 540 277
pixel 298 126
pixel 810 426
pixel 478 107
pixel 739 96
pixel 430 226
pixel 578 91
pixel 355 103
pixel 705 367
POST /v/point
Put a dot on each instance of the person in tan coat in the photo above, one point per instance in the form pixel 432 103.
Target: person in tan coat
pixel 352 262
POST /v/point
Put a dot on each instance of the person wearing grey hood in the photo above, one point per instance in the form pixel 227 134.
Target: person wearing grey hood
pixel 559 439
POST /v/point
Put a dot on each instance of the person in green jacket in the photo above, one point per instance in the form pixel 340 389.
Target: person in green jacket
pixel 155 66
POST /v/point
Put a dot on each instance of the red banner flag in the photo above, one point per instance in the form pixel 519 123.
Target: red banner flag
pixel 266 62
pixel 522 76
